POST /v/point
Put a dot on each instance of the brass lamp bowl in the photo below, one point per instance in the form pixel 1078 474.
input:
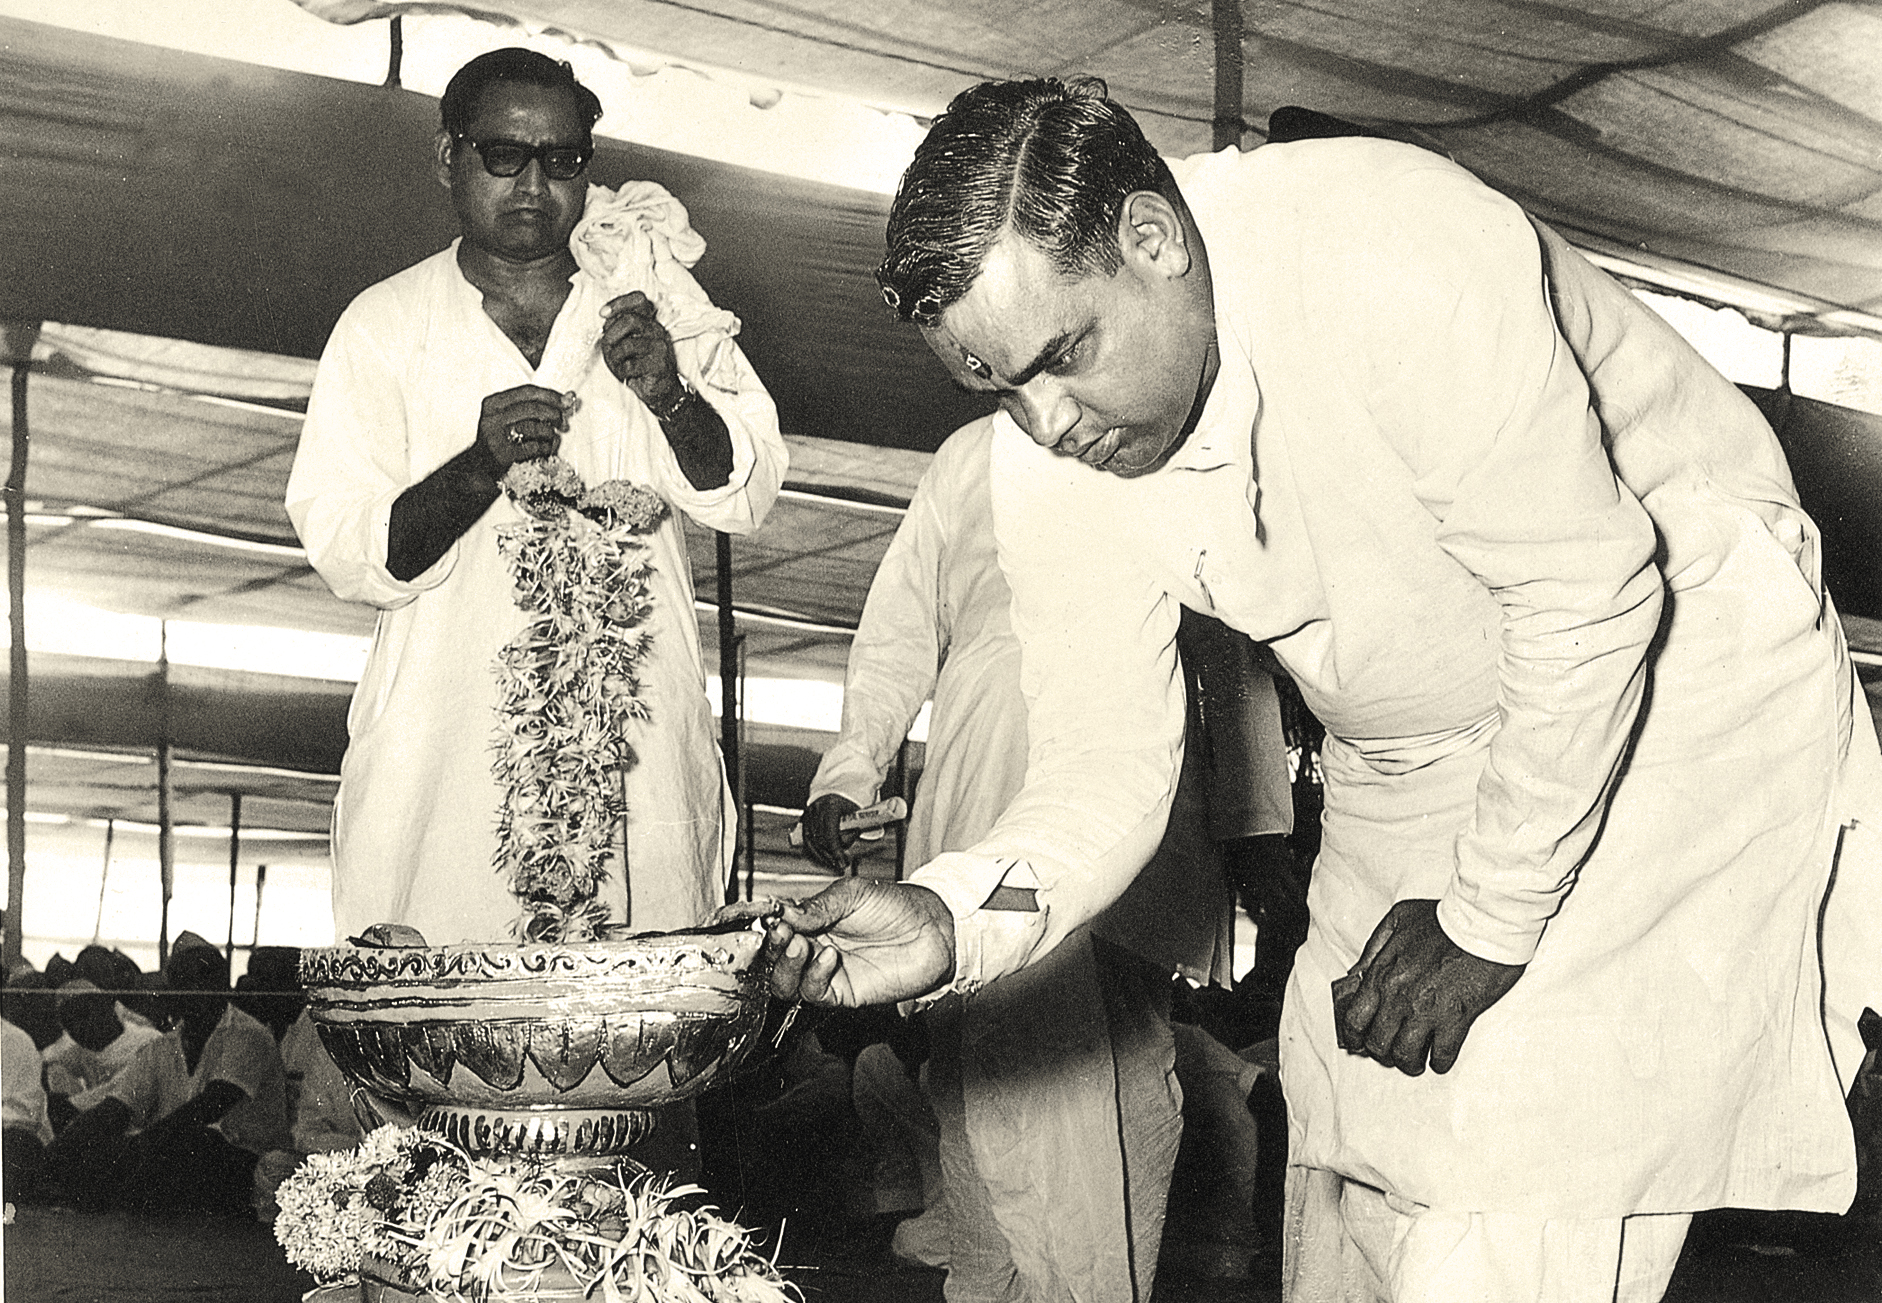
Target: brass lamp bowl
pixel 535 1047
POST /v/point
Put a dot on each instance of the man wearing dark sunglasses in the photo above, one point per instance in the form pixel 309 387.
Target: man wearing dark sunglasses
pixel 433 385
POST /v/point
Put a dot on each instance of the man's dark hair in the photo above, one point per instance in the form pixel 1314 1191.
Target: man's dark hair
pixel 514 64
pixel 1051 160
pixel 197 968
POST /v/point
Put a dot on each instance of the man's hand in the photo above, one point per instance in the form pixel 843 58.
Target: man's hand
pixel 522 424
pixel 824 839
pixel 639 352
pixel 858 942
pixel 1414 993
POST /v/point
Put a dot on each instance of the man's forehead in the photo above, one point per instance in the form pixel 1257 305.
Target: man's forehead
pixel 509 103
pixel 993 349
pixel 1017 306
pixel 1016 269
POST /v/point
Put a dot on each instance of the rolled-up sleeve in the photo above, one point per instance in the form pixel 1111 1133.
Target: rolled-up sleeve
pixel 1470 380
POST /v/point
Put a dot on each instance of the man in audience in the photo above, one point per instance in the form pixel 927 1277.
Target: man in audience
pixel 320 1111
pixel 32 1006
pixel 25 1127
pixel 96 1046
pixel 184 1122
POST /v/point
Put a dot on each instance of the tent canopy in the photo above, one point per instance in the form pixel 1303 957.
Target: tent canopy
pixel 1729 147
pixel 1735 136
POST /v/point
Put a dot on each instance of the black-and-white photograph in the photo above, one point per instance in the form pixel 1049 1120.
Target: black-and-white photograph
pixel 780 651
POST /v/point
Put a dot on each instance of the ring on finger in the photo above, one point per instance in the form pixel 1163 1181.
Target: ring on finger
pixel 515 433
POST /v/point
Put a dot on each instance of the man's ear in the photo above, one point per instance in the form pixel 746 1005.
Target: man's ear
pixel 441 161
pixel 1152 235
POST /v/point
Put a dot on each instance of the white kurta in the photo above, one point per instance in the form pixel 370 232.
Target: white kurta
pixel 22 1089
pixel 938 624
pixel 1484 591
pixel 398 394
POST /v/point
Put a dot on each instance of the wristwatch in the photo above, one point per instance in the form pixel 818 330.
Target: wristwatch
pixel 686 395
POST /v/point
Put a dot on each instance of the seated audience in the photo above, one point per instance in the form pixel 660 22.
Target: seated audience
pixel 31 1008
pixel 181 1127
pixel 25 1130
pixel 270 991
pixel 321 1118
pixel 97 1045
pixel 118 973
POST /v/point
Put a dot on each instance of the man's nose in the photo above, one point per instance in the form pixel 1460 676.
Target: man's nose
pixel 532 178
pixel 1047 414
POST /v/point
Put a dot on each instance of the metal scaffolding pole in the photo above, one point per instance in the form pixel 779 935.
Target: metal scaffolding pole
pixel 166 832
pixel 19 340
pixel 1229 124
pixel 235 860
pixel 104 881
pixel 728 692
pixel 728 667
pixel 261 880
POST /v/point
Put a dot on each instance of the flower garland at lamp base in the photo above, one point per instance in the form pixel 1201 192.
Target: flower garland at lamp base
pixel 566 691
pixel 439 1222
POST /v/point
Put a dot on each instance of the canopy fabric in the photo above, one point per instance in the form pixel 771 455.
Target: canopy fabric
pixel 194 226
pixel 1739 136
pixel 218 202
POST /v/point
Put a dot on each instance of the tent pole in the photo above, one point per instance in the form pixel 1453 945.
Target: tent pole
pixel 166 835
pixel 396 55
pixel 235 858
pixel 728 692
pixel 261 879
pixel 728 667
pixel 746 839
pixel 104 878
pixel 1229 124
pixel 19 340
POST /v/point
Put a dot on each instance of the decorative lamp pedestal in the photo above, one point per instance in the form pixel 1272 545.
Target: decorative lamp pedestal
pixel 537 1058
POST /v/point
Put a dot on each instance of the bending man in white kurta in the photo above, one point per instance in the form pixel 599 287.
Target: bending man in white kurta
pixel 1594 747
pixel 432 385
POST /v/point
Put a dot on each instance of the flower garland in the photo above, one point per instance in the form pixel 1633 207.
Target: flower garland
pixel 456 1226
pixel 338 1208
pixel 567 689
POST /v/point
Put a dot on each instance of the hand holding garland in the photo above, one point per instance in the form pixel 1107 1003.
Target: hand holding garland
pixel 639 352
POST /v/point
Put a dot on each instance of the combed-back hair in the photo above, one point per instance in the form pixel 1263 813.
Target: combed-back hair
pixel 468 84
pixel 1051 160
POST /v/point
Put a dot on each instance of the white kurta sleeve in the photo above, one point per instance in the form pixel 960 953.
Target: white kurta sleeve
pixel 1459 357
pixel 1104 714
pixel 353 462
pixel 759 456
pixel 896 654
